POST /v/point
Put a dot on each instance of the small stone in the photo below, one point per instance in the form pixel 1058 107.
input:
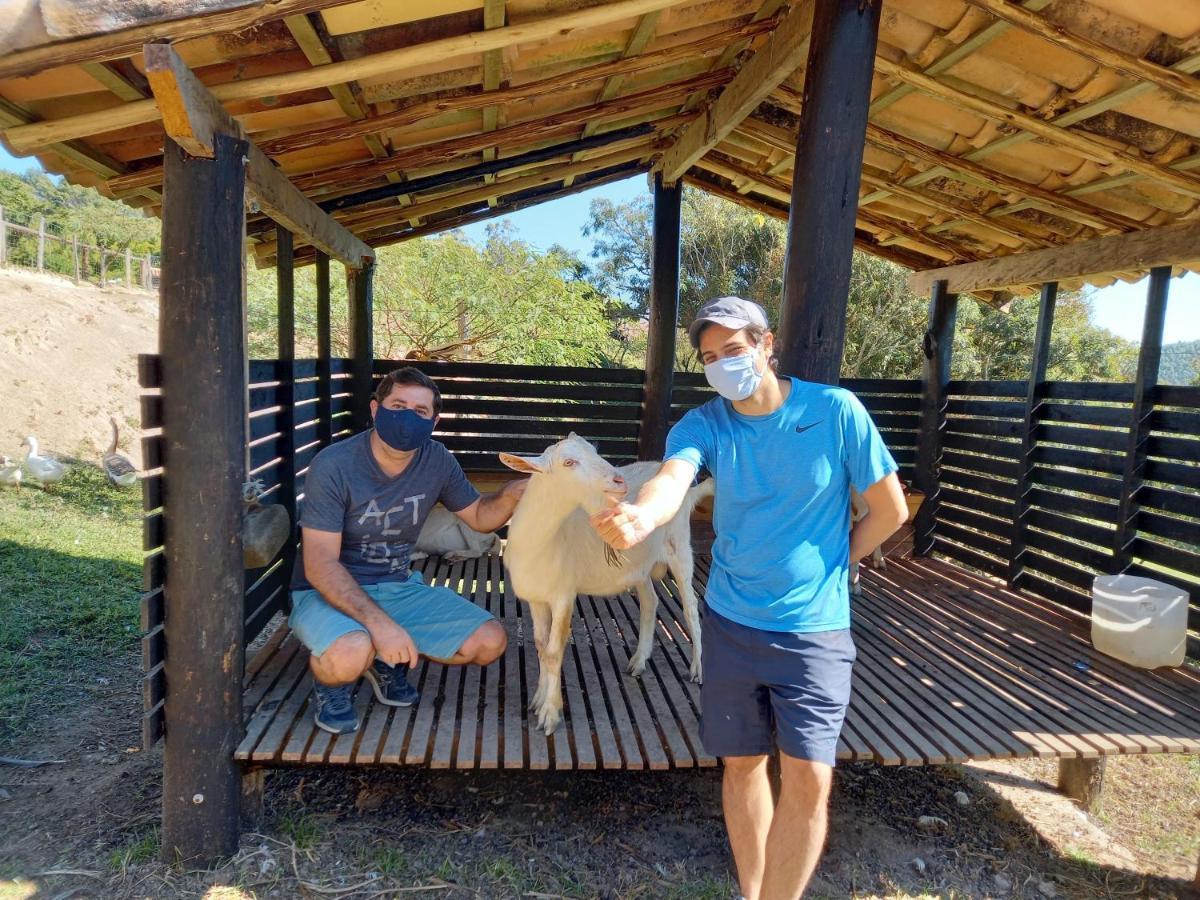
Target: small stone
pixel 932 823
pixel 5 795
pixel 962 798
pixel 1046 889
pixel 1002 884
pixel 919 864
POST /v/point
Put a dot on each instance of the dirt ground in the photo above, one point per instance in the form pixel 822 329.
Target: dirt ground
pixel 86 826
pixel 60 342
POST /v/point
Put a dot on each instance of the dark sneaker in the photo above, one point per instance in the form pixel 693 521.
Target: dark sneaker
pixel 334 713
pixel 391 684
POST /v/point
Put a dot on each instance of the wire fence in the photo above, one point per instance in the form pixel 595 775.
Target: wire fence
pixel 43 246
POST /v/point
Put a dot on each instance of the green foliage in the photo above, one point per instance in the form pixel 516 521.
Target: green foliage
pixel 444 297
pixel 1180 363
pixel 71 209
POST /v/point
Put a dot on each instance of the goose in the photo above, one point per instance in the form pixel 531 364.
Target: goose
pixel 117 467
pixel 43 469
pixel 10 472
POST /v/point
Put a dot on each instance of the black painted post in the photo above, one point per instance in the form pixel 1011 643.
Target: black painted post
pixel 324 353
pixel 829 152
pixel 937 348
pixel 1033 400
pixel 664 321
pixel 202 341
pixel 361 344
pixel 285 278
pixel 1149 357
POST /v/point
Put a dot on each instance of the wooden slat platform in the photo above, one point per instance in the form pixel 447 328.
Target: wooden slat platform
pixel 951 666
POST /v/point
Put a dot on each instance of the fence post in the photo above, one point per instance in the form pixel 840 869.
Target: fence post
pixel 128 268
pixel 1149 357
pixel 103 266
pixel 75 256
pixel 41 243
pixel 937 347
pixel 3 239
pixel 147 278
pixel 1033 398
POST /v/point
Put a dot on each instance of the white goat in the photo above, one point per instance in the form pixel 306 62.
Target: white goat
pixel 553 554
pixel 858 511
pixel 447 534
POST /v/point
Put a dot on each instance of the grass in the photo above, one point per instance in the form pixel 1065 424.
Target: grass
pixel 140 852
pixel 70 567
pixel 302 829
pixel 1166 829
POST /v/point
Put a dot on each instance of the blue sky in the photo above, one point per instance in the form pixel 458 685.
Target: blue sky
pixel 1119 307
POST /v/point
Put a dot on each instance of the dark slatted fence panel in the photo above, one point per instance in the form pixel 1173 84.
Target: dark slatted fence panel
pixel 1167 546
pixel 981 445
pixel 269 451
pixel 488 408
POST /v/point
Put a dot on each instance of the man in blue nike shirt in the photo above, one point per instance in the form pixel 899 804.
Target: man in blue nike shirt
pixel 777 648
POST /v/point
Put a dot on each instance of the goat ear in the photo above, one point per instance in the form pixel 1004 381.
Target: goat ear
pixel 530 465
pixel 572 435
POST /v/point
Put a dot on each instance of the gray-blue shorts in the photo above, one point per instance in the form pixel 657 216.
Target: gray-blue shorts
pixel 438 620
pixel 764 689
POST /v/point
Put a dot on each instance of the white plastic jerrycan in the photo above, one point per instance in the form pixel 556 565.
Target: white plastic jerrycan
pixel 1139 620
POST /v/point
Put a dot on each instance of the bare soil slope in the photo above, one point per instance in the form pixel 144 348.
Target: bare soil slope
pixel 68 360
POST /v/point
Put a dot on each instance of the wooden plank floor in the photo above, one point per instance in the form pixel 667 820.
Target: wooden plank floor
pixel 951 666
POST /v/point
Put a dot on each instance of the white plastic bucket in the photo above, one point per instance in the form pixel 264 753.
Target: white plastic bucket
pixel 1139 620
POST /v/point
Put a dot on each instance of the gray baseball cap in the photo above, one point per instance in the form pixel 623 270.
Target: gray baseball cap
pixel 731 312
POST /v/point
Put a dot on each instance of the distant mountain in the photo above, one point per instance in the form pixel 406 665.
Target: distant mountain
pixel 1180 363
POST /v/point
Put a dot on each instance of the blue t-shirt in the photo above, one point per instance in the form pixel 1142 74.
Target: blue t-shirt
pixel 782 507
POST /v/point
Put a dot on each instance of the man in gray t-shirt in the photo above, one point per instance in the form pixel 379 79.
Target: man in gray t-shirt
pixel 355 603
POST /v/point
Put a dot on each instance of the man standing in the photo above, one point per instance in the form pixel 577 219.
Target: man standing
pixel 355 604
pixel 777 647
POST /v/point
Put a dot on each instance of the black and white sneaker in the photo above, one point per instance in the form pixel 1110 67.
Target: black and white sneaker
pixel 390 684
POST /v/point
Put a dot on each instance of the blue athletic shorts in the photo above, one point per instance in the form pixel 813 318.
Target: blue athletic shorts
pixel 438 620
pixel 764 689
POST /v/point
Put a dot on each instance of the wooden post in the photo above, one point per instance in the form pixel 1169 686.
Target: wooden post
pixel 3 239
pixel 937 348
pixel 41 260
pixel 75 255
pixel 324 353
pixel 664 321
pixel 147 277
pixel 1144 383
pixel 128 268
pixel 103 266
pixel 285 279
pixel 829 152
pixel 1083 781
pixel 361 343
pixel 1033 398
pixel 202 339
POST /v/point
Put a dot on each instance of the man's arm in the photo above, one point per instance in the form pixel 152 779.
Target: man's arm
pixel 627 524
pixel 491 511
pixel 886 512
pixel 325 572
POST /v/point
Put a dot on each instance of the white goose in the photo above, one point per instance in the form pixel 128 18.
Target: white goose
pixel 117 467
pixel 43 469
pixel 10 472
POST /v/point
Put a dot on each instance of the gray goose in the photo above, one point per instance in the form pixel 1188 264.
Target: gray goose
pixel 117 467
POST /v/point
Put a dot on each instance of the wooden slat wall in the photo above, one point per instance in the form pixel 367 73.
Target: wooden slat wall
pixel 266 449
pixel 1079 430
pixel 488 408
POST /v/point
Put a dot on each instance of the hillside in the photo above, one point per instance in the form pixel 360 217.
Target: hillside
pixel 68 360
pixel 1180 363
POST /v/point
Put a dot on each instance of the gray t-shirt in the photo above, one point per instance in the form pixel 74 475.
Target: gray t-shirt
pixel 379 517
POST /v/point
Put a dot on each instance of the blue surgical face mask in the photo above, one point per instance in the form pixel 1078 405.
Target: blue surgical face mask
pixel 402 429
pixel 735 377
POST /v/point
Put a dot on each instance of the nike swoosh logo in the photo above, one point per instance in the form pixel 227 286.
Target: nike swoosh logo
pixel 800 429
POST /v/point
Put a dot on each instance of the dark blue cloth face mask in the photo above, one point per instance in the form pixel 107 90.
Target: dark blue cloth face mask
pixel 402 429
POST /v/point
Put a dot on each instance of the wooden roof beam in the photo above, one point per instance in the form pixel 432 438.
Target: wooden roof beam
pixel 1168 246
pixel 493 65
pixel 27 138
pixel 1086 145
pixel 193 117
pixel 1126 64
pixel 782 53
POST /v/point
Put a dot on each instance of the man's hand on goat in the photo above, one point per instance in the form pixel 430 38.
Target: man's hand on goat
pixel 623 525
pixel 393 644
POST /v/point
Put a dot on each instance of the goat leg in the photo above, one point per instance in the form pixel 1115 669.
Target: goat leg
pixel 877 559
pixel 539 614
pixel 549 708
pixel 648 602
